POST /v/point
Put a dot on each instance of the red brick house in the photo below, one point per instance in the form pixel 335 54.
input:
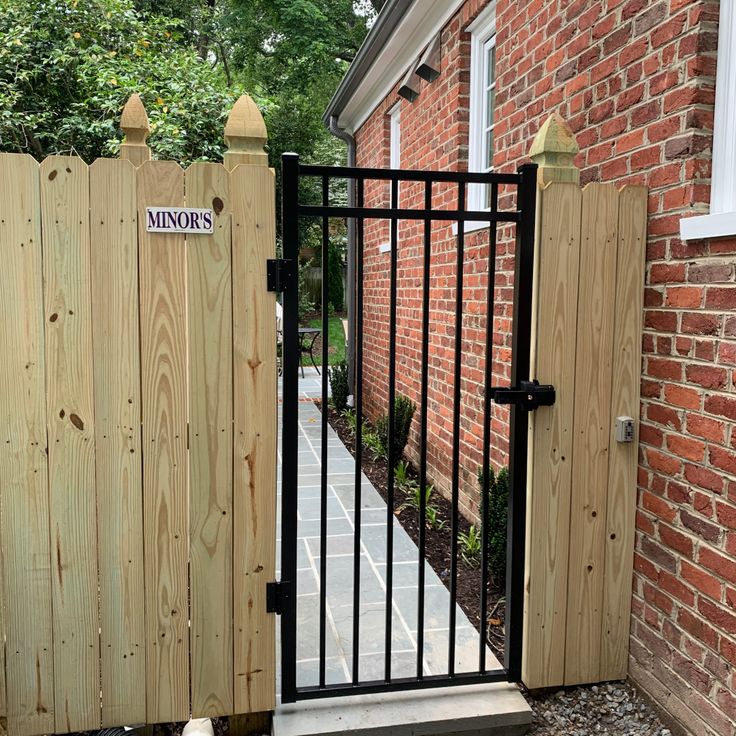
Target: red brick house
pixel 649 89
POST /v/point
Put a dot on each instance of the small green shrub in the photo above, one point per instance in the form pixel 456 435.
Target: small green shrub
pixel 340 386
pixel 470 546
pixel 335 290
pixel 404 409
pixel 498 500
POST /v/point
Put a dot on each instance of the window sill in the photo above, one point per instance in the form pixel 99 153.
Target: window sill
pixel 384 248
pixel 708 226
pixel 471 226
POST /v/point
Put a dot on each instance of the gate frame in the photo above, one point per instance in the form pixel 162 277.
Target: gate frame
pixel 284 592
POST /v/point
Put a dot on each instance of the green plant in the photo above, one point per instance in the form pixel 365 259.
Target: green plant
pixel 498 499
pixel 471 544
pixel 351 419
pixel 335 290
pixel 306 305
pixel 402 480
pixel 434 520
pixel 404 409
pixel 372 442
pixel 414 497
pixel 340 385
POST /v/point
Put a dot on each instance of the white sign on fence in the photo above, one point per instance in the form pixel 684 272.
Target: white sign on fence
pixel 179 220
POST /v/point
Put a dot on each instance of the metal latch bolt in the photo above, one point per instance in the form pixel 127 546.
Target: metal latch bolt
pixel 528 396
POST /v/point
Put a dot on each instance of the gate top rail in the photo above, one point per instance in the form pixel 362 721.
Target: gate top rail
pixel 458 177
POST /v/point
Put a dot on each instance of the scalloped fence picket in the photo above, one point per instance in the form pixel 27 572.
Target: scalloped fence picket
pixel 138 454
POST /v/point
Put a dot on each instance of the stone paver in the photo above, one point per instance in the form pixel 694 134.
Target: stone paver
pixel 339 579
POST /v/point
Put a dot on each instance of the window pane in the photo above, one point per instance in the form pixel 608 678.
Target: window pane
pixel 491 64
pixel 488 160
pixel 490 105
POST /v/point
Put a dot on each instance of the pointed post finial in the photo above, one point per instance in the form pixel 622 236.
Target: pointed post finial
pixel 134 123
pixel 245 134
pixel 554 150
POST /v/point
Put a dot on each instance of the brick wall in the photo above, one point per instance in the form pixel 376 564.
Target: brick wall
pixel 635 80
pixel 434 134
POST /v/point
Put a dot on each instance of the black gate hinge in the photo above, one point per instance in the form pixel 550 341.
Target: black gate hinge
pixel 528 396
pixel 280 272
pixel 277 593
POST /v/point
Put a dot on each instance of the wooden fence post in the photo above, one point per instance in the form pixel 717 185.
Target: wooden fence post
pixel 553 150
pixel 134 123
pixel 553 361
pixel 588 307
pixel 252 197
pixel 245 133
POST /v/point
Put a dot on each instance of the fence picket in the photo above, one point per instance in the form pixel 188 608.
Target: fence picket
pixel 116 341
pixel 162 266
pixel 621 510
pixel 24 502
pixel 255 433
pixel 593 373
pixel 210 444
pixel 70 420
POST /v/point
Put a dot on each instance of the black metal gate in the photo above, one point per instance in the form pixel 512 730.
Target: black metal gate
pixel 522 394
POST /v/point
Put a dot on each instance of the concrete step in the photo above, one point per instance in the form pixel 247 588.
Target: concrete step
pixel 470 710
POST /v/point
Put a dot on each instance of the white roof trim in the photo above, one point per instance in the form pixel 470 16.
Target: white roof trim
pixel 419 25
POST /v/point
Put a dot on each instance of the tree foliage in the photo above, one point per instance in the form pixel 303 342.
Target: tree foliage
pixel 68 66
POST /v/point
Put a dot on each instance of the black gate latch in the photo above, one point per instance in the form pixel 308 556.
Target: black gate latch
pixel 529 395
pixel 279 273
pixel 276 596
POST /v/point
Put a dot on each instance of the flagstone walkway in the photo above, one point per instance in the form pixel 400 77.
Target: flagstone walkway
pixel 339 579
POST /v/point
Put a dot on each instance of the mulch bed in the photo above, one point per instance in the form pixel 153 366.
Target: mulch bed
pixel 438 542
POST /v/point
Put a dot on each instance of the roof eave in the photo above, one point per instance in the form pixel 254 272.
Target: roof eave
pixel 386 22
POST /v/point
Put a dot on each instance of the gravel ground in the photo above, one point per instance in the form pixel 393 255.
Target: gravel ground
pixel 615 709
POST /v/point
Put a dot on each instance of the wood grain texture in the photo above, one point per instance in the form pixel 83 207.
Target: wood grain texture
pixel 70 419
pixel 623 459
pixel 210 445
pixel 543 660
pixel 254 416
pixel 116 341
pixel 592 416
pixel 162 266
pixel 24 504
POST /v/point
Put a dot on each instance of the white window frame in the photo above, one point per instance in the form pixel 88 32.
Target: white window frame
pixel 722 218
pixel 394 153
pixel 482 37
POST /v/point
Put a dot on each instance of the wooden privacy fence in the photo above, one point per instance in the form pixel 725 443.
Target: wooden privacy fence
pixel 138 446
pixel 580 531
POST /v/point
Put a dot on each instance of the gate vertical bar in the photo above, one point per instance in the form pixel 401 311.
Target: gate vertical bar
pixel 289 426
pixel 457 397
pixel 358 394
pixel 427 259
pixel 392 459
pixel 323 449
pixel 519 441
pixel 485 489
